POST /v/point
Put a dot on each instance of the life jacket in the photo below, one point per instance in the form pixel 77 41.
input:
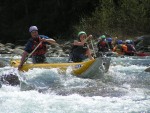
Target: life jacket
pixel 41 50
pixel 78 53
pixel 79 49
pixel 103 46
pixel 120 49
pixel 130 48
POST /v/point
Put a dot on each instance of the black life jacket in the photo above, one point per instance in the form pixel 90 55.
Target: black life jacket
pixel 79 49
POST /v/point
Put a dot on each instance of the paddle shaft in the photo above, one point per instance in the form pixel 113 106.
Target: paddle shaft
pixel 93 47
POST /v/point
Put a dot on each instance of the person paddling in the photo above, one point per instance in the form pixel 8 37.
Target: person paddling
pixel 131 51
pixel 120 47
pixel 102 45
pixel 80 48
pixel 37 45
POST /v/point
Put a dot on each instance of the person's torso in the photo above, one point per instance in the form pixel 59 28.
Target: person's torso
pixel 118 48
pixel 32 44
pixel 103 46
pixel 130 47
pixel 79 49
pixel 41 50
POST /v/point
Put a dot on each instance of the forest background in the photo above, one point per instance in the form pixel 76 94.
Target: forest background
pixel 63 19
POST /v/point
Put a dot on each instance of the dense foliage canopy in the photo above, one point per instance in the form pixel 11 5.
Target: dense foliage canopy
pixel 63 18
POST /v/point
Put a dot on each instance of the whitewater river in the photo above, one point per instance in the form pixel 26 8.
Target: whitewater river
pixel 124 89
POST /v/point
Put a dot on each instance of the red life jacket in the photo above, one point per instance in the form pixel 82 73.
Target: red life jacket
pixel 41 50
pixel 103 44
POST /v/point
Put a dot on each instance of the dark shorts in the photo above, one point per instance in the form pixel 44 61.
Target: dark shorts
pixel 38 59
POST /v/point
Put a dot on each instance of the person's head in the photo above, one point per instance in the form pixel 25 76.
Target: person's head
pixel 128 42
pixel 82 35
pixel 103 37
pixel 109 39
pixel 119 42
pixel 34 31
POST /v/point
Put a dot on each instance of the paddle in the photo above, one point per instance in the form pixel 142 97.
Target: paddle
pixel 93 48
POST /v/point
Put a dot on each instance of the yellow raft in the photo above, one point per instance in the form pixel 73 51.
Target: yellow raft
pixel 88 69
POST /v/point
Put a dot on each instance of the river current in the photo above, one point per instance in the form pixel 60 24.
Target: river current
pixel 124 89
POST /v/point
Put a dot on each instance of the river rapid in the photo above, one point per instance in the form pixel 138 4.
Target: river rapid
pixel 124 89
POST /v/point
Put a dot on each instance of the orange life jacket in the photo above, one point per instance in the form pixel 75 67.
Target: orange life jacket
pixel 120 49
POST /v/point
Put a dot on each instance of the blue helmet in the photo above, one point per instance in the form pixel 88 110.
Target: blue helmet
pixel 119 41
pixel 109 39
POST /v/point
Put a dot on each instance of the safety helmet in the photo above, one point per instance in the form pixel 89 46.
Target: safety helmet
pixel 109 39
pixel 81 32
pixel 131 42
pixel 128 41
pixel 102 37
pixel 119 41
pixel 33 28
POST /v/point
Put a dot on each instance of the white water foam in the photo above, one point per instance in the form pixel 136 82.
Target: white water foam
pixel 135 100
pixel 14 101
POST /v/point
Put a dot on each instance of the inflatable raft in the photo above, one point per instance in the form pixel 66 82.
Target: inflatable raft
pixel 87 69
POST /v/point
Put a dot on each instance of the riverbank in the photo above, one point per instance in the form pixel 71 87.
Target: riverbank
pixel 61 50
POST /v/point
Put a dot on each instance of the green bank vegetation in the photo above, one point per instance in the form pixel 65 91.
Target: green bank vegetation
pixel 64 18
pixel 123 18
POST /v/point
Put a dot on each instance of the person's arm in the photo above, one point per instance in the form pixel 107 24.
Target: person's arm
pixel 82 42
pixel 114 49
pixel 133 48
pixel 47 39
pixel 88 52
pixel 27 50
pixel 24 55
pixel 51 41
pixel 78 43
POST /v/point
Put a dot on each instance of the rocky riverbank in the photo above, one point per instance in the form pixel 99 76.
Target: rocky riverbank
pixel 61 50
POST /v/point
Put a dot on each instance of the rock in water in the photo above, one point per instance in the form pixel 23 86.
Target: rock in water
pixel 2 64
pixel 0 85
pixel 10 79
pixel 148 69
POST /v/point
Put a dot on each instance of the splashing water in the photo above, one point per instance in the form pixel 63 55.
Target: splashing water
pixel 124 89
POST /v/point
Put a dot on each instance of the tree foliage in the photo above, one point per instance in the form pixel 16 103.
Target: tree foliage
pixel 118 17
pixel 62 18
pixel 53 17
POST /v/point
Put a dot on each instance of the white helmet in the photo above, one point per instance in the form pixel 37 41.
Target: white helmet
pixel 128 41
pixel 33 28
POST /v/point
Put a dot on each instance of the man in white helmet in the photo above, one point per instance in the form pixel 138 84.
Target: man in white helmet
pixel 38 55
